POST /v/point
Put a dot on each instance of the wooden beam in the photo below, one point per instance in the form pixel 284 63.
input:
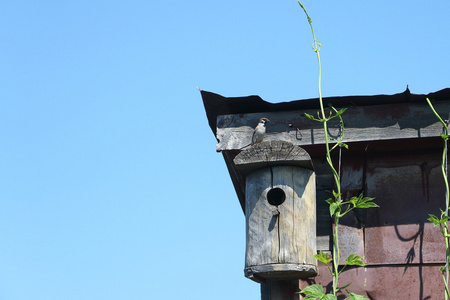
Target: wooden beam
pixel 362 123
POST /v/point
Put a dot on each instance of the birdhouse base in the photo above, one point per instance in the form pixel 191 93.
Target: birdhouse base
pixel 280 272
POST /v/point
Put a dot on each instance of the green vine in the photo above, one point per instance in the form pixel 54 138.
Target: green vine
pixel 338 207
pixel 442 222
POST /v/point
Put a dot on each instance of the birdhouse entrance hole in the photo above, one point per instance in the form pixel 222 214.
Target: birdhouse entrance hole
pixel 281 241
pixel 276 196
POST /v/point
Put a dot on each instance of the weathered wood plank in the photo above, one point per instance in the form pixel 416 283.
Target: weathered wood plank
pixel 271 153
pixel 261 234
pixel 281 239
pixel 362 123
pixel 304 216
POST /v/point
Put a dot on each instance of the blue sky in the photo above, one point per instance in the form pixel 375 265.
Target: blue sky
pixel 110 186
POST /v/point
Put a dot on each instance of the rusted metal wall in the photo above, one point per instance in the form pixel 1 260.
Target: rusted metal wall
pixel 388 282
pixel 402 249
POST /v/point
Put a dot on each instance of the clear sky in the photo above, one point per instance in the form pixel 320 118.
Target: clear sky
pixel 110 186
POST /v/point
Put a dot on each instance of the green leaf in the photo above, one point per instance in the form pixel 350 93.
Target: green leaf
pixel 354 296
pixel 354 260
pixel 311 117
pixel 353 200
pixel 443 214
pixel 362 202
pixel 323 257
pixel 336 195
pixel 433 219
pixel 340 112
pixel 436 221
pixel 367 205
pixel 335 208
pixel 345 286
pixel 313 291
pixel 328 297
pixel 444 217
pixel 329 201
pixel 341 144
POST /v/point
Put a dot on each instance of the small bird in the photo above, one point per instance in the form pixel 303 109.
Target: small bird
pixel 260 131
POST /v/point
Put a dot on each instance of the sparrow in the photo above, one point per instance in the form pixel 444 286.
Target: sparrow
pixel 260 131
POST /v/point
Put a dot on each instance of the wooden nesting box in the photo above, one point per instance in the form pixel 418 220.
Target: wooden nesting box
pixel 280 211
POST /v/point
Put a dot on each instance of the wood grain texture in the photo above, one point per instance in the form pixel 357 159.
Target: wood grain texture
pixel 271 153
pixel 281 240
pixel 362 123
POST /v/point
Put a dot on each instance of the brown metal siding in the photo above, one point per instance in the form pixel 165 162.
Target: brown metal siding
pixel 402 249
pixel 391 282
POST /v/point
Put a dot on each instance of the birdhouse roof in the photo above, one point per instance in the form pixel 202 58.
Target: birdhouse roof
pixel 216 104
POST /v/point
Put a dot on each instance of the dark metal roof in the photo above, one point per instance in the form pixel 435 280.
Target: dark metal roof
pixel 216 105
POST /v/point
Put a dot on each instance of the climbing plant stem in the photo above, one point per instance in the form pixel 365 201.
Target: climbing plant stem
pixel 336 255
pixel 443 222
